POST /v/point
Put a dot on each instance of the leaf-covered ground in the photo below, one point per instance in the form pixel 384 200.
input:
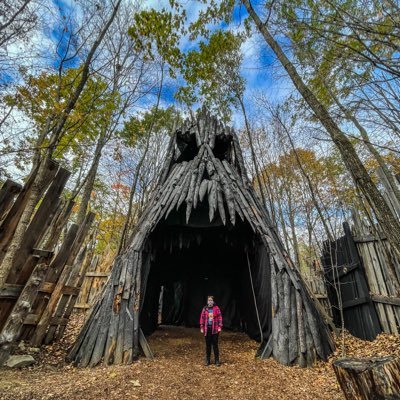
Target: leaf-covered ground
pixel 178 372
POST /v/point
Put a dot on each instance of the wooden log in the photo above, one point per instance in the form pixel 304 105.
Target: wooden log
pixel 67 300
pixel 168 159
pixel 189 198
pixel 174 197
pixel 63 254
pixel 55 269
pixel 7 193
pixel 136 304
pixel 375 378
pixel 98 350
pixel 221 208
pixel 301 330
pixel 53 233
pixel 200 174
pixel 293 327
pixel 12 328
pixel 10 222
pixel 212 199
pixel 203 189
pixel 40 221
pixel 229 198
pixel 44 322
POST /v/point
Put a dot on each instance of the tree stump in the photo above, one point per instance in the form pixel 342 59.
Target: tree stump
pixel 375 378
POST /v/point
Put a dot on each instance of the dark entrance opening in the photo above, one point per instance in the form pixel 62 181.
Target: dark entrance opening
pixel 191 261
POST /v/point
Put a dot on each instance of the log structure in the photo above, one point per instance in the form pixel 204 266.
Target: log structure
pixel 42 287
pixel 204 231
pixel 374 378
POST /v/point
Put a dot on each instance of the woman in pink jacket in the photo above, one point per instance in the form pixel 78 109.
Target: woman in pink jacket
pixel 210 326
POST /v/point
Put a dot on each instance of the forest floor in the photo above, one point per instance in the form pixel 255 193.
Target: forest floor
pixel 178 371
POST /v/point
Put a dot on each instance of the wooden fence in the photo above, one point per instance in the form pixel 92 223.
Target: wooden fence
pixel 362 275
pixel 42 286
pixel 95 279
pixel 315 280
pixel 382 270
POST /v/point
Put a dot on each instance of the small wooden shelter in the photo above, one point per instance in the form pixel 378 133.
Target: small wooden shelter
pixel 204 231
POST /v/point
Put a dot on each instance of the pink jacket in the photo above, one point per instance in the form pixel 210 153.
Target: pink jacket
pixel 216 322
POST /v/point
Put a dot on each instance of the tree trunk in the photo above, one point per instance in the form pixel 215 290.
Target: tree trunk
pixel 91 176
pixel 375 153
pixel 253 153
pixel 53 141
pixel 390 225
pixel 375 378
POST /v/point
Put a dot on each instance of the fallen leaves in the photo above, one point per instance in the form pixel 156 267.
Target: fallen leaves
pixel 178 371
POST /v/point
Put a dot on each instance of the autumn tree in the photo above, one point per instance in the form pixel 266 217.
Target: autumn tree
pixel 51 135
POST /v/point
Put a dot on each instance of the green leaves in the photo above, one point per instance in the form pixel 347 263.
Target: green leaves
pixel 154 120
pixel 212 73
pixel 43 99
pixel 340 44
pixel 212 70
pixel 159 32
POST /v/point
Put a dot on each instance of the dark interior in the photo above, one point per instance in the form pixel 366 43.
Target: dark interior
pixel 191 261
pixel 188 149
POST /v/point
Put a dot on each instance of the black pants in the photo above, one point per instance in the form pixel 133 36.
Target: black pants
pixel 212 340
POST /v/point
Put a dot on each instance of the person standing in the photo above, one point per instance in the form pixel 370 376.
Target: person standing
pixel 211 326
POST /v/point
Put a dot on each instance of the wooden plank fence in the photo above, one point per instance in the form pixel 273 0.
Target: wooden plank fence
pixel 362 272
pixel 42 287
pixel 315 280
pixel 382 270
pixel 93 283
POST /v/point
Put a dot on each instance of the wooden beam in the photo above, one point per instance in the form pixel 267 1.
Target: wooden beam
pixel 82 305
pixel 394 301
pixel 368 238
pixel 355 302
pixel 97 274
pixel 10 291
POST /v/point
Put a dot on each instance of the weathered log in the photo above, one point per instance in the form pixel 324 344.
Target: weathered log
pixel 12 328
pixel 212 198
pixel 44 321
pixel 301 330
pixel 221 209
pixel 10 222
pixel 200 174
pixel 40 221
pixel 7 193
pixel 67 301
pixel 374 378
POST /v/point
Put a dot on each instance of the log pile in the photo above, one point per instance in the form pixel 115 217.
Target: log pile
pixel 204 163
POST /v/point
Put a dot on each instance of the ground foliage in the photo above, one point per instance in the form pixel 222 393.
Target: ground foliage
pixel 177 371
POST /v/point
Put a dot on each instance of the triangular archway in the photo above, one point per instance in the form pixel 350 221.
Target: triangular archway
pixel 204 196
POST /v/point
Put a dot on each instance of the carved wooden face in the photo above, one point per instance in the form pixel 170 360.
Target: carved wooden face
pixel 188 143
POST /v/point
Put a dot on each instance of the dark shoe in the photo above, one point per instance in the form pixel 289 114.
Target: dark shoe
pixel 217 363
pixel 207 362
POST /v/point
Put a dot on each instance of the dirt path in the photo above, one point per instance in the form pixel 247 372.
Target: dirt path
pixel 176 373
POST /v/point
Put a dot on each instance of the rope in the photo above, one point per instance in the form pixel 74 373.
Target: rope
pixel 254 297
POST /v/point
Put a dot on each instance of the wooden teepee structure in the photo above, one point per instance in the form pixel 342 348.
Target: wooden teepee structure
pixel 204 168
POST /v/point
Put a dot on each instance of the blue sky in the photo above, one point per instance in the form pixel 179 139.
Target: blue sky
pixel 257 57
